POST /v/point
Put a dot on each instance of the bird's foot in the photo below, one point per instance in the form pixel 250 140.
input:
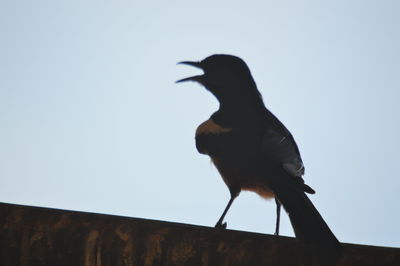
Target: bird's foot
pixel 220 225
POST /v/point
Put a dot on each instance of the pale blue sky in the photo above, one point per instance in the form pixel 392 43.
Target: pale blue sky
pixel 91 120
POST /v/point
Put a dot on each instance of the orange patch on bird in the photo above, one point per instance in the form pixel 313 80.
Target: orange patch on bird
pixel 262 191
pixel 210 127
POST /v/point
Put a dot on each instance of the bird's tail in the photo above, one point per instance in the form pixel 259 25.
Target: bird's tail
pixel 308 224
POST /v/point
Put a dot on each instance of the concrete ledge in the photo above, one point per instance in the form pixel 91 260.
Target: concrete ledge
pixel 50 237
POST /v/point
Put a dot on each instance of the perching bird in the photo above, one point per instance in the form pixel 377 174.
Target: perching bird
pixel 252 149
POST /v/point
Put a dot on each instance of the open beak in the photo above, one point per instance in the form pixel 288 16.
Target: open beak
pixel 198 78
pixel 191 63
pixel 194 78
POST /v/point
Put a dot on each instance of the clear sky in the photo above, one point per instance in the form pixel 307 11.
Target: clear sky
pixel 91 120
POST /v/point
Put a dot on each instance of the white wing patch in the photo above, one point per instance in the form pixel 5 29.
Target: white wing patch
pixel 210 127
pixel 282 148
pixel 295 168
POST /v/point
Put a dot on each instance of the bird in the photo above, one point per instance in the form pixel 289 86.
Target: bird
pixel 253 150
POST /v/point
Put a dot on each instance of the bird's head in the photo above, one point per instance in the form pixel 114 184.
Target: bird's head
pixel 225 76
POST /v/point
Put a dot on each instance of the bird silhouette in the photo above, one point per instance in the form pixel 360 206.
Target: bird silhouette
pixel 253 150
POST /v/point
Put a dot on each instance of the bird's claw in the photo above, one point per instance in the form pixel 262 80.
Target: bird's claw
pixel 220 225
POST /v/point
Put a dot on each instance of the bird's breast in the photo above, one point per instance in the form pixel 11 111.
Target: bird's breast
pixel 212 138
pixel 210 127
pixel 235 155
pixel 243 174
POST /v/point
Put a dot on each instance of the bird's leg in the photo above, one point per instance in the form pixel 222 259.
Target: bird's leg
pixel 278 216
pixel 219 224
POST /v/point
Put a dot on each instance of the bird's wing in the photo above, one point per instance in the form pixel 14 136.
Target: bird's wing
pixel 279 145
pixel 282 148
